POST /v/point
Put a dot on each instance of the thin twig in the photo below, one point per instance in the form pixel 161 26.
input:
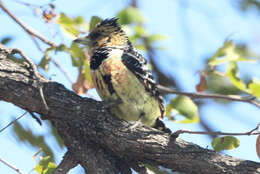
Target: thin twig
pixel 27 4
pixel 36 118
pixel 36 43
pixel 206 127
pixel 54 61
pixel 25 27
pixel 250 100
pixel 161 88
pixel 37 75
pixel 34 34
pixel 62 70
pixel 28 60
pixel 11 166
pixel 12 122
pixel 251 132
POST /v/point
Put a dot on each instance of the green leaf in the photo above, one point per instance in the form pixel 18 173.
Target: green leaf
pixel 79 20
pixel 228 52
pixel 45 166
pixel 185 106
pixel 87 72
pixel 44 63
pixel 232 74
pixel 94 21
pixel 5 40
pixel 61 47
pixel 140 31
pixel 67 25
pixel 155 37
pixel 71 26
pixel 130 15
pixel 217 83
pixel 27 136
pixel 225 143
pixel 254 88
pixel 141 47
pixel 77 55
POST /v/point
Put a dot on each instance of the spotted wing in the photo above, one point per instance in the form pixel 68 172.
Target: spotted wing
pixel 138 66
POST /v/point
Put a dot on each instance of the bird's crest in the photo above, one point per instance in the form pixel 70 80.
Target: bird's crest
pixel 108 33
pixel 110 22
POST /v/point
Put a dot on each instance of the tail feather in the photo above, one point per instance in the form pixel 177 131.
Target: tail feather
pixel 159 124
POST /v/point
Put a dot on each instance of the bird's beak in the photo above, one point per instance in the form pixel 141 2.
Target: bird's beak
pixel 82 40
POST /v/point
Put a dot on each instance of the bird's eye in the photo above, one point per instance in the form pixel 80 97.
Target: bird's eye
pixel 95 35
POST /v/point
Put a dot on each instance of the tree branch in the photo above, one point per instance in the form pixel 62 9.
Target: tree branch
pixel 11 166
pixel 250 100
pixel 12 122
pixel 26 28
pixel 84 124
pixel 34 34
pixel 251 132
pixel 66 164
pixel 36 74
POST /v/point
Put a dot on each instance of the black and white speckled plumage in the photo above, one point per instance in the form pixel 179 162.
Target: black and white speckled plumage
pixel 120 72
pixel 137 64
pixel 98 57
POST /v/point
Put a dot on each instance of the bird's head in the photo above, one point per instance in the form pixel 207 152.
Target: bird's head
pixel 107 33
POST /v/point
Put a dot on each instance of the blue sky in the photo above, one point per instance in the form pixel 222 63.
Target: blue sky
pixel 195 29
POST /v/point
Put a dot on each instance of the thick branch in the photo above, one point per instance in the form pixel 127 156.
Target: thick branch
pixel 67 163
pixel 88 155
pixel 86 122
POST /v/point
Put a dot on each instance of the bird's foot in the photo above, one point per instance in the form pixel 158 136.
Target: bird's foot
pixel 137 123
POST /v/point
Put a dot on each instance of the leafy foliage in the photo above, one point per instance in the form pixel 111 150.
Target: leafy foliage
pixel 226 53
pixel 232 74
pixel 254 88
pixel 184 106
pixel 6 40
pixel 130 15
pixel 225 143
pixel 220 84
pixel 27 136
pixel 45 166
pixel 230 54
pixel 71 26
pixel 77 55
pixel 44 64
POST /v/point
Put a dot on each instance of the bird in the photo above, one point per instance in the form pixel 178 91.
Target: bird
pixel 119 72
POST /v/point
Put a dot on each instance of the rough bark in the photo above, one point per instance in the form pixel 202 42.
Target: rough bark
pixel 100 142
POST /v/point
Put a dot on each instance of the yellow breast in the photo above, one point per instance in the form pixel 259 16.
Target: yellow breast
pixel 125 86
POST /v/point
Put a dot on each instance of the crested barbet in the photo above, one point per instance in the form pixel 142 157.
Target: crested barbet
pixel 119 72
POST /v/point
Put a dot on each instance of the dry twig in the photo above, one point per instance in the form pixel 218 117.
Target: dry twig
pixel 9 124
pixel 11 166
pixel 36 73
pixel 34 34
pixel 25 27
pixel 250 100
pixel 251 132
